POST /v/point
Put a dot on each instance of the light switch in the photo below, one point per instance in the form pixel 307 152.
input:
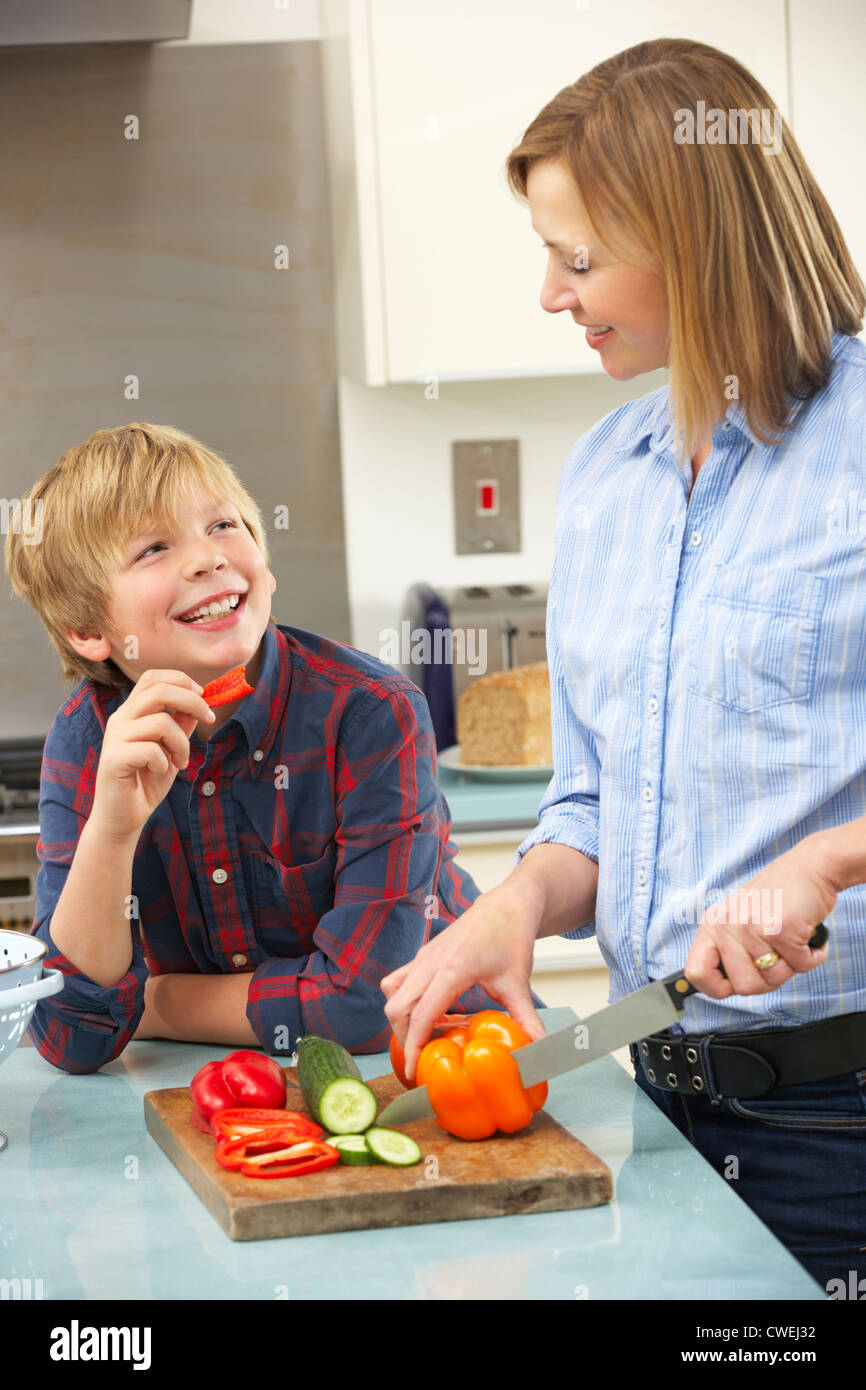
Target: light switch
pixel 487 503
pixel 486 484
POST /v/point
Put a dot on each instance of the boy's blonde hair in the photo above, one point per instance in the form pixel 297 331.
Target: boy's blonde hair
pixel 91 504
pixel 757 272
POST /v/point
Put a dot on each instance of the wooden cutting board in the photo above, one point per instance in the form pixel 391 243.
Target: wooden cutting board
pixel 543 1168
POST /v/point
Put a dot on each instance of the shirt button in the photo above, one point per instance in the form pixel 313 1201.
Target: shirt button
pixel 637 959
pixel 647 796
pixel 696 538
pixel 219 875
pixel 258 755
pixel 238 959
pixel 208 788
pixel 663 615
pixel 653 705
pixel 641 877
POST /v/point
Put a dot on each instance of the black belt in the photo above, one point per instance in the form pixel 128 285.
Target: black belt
pixel 748 1065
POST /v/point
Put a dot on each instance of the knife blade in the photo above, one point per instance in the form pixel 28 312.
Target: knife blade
pixel 635 1016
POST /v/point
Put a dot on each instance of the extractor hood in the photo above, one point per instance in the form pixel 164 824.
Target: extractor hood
pixel 26 22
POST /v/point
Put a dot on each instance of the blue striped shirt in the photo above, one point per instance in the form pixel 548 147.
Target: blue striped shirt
pixel 707 658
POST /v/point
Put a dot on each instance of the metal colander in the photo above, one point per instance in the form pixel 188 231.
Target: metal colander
pixel 22 984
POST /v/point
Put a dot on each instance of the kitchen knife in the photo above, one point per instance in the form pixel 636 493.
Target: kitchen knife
pixel 635 1016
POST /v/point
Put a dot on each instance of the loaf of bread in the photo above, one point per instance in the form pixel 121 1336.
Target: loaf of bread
pixel 504 719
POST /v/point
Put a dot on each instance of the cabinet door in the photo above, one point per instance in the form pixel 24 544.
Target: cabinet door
pixel 828 47
pixel 452 87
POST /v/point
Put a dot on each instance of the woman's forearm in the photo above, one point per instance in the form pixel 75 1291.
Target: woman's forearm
pixel 556 885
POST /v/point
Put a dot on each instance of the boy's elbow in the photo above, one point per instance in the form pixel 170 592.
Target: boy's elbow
pixel 71 1049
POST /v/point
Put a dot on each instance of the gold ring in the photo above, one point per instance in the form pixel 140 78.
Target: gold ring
pixel 764 962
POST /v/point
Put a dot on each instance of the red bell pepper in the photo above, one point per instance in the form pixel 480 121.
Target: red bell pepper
pixel 209 1091
pixel 242 1079
pixel 198 1121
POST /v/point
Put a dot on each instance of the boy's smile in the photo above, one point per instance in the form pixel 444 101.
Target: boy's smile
pixel 172 571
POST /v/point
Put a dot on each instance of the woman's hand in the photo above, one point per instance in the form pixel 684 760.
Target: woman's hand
pixel 490 944
pixel 777 910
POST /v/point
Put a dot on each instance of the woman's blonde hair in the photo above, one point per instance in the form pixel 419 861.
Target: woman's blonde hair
pixel 90 505
pixel 757 272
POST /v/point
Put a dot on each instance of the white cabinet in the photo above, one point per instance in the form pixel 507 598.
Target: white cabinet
pixel 438 272
pixel 828 50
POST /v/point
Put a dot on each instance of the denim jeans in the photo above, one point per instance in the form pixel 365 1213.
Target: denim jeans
pixel 797 1157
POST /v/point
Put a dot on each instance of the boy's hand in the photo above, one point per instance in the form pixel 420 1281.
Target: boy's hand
pixel 146 742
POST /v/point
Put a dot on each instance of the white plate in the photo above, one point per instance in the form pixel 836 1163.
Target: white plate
pixel 516 772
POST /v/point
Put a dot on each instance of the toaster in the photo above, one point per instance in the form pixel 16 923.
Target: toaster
pixel 451 636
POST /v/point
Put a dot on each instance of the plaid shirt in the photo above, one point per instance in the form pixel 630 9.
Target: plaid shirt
pixel 306 844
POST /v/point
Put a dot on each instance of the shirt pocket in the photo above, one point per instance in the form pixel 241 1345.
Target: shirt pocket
pixel 757 640
pixel 291 897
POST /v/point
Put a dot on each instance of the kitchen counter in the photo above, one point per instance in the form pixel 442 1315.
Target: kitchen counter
pixel 477 805
pixel 95 1210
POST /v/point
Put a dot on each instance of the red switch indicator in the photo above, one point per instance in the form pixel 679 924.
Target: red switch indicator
pixel 487 497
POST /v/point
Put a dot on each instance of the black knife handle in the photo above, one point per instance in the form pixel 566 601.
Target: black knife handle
pixel 679 988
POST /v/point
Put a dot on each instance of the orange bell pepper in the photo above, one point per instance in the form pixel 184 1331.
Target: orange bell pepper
pixel 450 1024
pixel 473 1083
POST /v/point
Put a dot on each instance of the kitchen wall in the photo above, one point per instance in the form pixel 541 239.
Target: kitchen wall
pixel 153 258
pixel 395 443
pixel 396 454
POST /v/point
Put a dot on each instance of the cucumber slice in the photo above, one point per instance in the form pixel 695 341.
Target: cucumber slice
pixel 391 1146
pixel 353 1149
pixel 347 1106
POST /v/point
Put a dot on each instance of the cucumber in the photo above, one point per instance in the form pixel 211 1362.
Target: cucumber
pixel 391 1146
pixel 353 1149
pixel 332 1087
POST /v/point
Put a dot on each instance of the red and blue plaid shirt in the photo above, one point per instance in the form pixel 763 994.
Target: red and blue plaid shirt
pixel 306 843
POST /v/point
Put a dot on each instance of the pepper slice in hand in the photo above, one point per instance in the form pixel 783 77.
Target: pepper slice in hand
pixel 226 688
pixel 473 1083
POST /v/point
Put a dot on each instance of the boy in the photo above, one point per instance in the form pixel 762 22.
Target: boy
pixel 242 875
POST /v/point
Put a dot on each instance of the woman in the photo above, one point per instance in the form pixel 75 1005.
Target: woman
pixel 705 637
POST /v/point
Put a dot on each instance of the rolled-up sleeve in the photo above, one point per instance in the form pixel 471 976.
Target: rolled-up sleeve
pixel 85 1025
pixel 387 865
pixel 569 810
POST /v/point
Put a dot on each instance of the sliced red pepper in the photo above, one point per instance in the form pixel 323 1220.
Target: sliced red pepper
pixel 227 1124
pixel 282 1166
pixel 231 1153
